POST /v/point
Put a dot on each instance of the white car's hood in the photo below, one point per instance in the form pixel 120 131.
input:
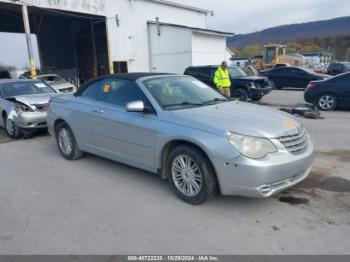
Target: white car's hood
pixel 61 86
pixel 34 99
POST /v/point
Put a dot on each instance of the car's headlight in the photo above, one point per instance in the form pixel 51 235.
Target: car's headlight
pixel 19 108
pixel 252 147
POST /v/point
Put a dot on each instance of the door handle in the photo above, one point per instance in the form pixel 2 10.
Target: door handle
pixel 98 111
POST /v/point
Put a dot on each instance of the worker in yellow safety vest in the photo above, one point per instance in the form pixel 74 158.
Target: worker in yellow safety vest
pixel 222 79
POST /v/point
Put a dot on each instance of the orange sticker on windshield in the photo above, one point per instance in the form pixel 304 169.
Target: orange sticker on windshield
pixel 106 88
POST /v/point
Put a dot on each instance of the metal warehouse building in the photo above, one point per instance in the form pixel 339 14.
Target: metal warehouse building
pixel 86 38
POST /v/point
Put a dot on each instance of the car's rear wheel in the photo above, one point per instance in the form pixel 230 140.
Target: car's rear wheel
pixel 190 175
pixel 241 93
pixel 273 85
pixel 11 128
pixel 66 142
pixel 327 102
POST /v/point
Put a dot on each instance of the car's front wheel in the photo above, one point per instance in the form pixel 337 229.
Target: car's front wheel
pixel 66 142
pixel 274 86
pixel 11 128
pixel 241 93
pixel 190 175
pixel 327 102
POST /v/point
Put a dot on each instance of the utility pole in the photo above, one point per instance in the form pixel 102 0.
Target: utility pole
pixel 94 52
pixel 29 41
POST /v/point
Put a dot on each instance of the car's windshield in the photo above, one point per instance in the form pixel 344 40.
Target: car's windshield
pixel 177 92
pixel 236 72
pixel 52 79
pixel 24 88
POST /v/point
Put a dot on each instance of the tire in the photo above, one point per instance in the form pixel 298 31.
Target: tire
pixel 198 171
pixel 327 102
pixel 11 128
pixel 241 93
pixel 66 142
pixel 273 84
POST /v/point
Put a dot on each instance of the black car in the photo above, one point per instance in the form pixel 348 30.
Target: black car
pixel 244 87
pixel 337 68
pixel 290 76
pixel 4 73
pixel 329 94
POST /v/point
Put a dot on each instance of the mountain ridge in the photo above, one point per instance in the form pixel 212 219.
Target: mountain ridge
pixel 291 32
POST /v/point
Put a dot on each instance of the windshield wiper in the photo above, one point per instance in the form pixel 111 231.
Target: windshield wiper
pixel 184 104
pixel 215 100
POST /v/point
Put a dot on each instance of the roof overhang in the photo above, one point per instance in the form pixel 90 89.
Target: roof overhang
pixel 188 7
pixel 195 29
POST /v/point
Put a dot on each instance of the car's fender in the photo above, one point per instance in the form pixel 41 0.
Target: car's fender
pixel 211 144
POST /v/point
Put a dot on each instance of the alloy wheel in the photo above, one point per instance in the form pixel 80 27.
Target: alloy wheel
pixel 65 141
pixel 10 127
pixel 186 175
pixel 326 102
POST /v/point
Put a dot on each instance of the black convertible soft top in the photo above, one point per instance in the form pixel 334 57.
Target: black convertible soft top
pixel 125 76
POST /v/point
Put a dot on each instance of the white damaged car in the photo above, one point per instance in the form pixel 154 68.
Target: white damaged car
pixel 58 83
pixel 23 106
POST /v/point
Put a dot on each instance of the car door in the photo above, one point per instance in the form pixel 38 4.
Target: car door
pixel 82 109
pixel 302 78
pixel 279 76
pixel 128 137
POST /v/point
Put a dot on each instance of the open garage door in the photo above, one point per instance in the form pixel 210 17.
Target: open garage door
pixel 72 45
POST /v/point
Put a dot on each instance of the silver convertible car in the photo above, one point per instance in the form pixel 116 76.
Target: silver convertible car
pixel 184 131
pixel 23 105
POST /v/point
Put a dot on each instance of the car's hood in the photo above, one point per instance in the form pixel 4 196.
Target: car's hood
pixel 62 86
pixel 239 117
pixel 33 99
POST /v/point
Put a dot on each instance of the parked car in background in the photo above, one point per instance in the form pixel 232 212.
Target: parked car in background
pixel 281 65
pixel 23 105
pixel 57 82
pixel 243 86
pixel 319 69
pixel 291 76
pixel 331 93
pixel 183 130
pixel 4 73
pixel 336 68
pixel 27 74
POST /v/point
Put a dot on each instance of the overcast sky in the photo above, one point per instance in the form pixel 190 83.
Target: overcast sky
pixel 246 16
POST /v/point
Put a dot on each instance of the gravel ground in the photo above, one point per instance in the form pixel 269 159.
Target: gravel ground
pixel 96 206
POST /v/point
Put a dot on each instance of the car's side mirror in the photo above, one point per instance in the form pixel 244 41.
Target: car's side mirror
pixel 135 106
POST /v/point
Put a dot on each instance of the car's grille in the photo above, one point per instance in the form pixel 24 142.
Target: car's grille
pixel 262 84
pixel 296 141
pixel 41 107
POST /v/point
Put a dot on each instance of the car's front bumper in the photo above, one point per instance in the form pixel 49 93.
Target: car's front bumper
pixel 263 178
pixel 260 92
pixel 310 96
pixel 31 120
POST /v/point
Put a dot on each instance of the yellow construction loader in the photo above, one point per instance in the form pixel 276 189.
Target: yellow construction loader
pixel 275 55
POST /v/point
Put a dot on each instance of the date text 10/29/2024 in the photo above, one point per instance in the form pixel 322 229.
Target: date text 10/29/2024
pixel 173 258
